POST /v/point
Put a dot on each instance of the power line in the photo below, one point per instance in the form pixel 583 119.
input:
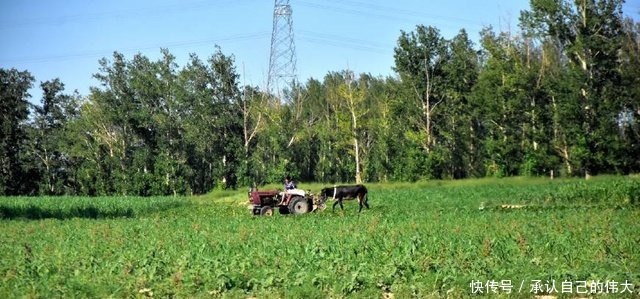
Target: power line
pixel 389 13
pixel 343 38
pixel 347 10
pixel 324 42
pixel 133 12
pixel 178 44
pixel 389 9
pixel 343 42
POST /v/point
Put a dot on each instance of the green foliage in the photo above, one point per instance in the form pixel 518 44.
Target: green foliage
pixel 154 129
pixel 589 34
pixel 84 207
pixel 14 111
pixel 610 192
pixel 50 136
pixel 428 239
pixel 560 97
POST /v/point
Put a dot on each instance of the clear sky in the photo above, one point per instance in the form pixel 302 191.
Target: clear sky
pixel 65 38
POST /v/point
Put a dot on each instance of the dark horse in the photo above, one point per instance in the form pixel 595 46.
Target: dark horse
pixel 345 192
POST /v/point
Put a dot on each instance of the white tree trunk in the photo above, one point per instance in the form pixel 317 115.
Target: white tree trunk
pixel 357 149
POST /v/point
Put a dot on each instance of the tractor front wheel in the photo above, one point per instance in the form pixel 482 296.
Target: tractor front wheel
pixel 298 205
pixel 266 211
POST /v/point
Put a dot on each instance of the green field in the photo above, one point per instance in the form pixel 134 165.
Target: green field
pixel 421 240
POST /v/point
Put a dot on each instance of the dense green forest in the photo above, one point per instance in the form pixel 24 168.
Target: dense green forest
pixel 561 97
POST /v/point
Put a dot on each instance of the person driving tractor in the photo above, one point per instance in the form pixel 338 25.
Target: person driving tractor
pixel 288 183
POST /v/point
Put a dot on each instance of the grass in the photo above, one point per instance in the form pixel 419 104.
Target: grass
pixel 84 207
pixel 424 240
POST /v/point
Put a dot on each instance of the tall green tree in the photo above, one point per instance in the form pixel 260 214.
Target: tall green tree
pixel 419 59
pixel 154 129
pixel 50 138
pixel 352 98
pixel 589 34
pixel 111 113
pixel 378 121
pixel 629 116
pixel 508 96
pixel 14 112
pixel 441 74
pixel 458 120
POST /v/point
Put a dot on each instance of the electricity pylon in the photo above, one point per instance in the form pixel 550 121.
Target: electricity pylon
pixel 282 60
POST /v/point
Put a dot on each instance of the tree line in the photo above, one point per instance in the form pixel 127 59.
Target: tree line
pixel 561 97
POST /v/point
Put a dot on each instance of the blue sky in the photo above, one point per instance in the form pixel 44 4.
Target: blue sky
pixel 65 39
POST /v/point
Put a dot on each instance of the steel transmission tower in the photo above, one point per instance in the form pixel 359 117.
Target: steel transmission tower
pixel 282 61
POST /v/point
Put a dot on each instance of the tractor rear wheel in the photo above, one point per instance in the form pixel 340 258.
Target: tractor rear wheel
pixel 298 205
pixel 266 211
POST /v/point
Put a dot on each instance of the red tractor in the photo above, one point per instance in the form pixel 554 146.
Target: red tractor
pixel 293 201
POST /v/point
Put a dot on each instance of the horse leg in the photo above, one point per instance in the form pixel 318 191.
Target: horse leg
pixel 365 201
pixel 360 203
pixel 340 201
pixel 335 203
